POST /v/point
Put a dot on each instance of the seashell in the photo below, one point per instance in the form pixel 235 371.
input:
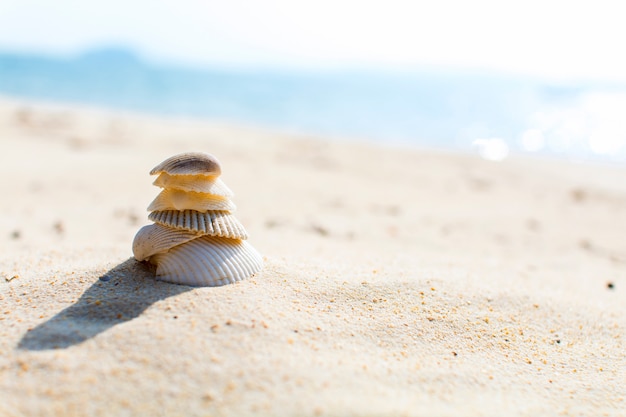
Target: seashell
pixel 212 223
pixel 189 163
pixel 195 239
pixel 170 199
pixel 154 238
pixel 197 183
pixel 208 261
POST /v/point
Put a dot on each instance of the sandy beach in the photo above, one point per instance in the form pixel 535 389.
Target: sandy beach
pixel 397 282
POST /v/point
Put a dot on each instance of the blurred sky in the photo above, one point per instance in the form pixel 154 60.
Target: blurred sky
pixel 553 39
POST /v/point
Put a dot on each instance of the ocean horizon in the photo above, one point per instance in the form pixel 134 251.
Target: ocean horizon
pixel 491 114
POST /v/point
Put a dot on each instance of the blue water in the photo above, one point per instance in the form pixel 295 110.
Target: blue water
pixel 426 109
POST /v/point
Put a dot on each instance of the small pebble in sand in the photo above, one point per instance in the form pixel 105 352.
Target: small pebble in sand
pixel 272 223
pixel 12 278
pixel 533 224
pixel 578 195
pixel 59 227
pixel 133 218
pixel 320 230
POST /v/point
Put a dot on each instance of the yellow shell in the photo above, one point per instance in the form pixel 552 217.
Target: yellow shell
pixel 198 183
pixel 213 223
pixel 170 199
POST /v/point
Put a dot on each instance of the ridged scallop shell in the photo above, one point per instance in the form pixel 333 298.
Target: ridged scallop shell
pixel 189 163
pixel 212 223
pixel 154 238
pixel 169 199
pixel 197 183
pixel 208 262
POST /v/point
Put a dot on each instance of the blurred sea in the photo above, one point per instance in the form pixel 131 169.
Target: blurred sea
pixel 489 114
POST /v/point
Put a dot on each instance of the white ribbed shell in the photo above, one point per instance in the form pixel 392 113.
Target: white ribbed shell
pixel 212 223
pixel 154 238
pixel 197 183
pixel 208 262
pixel 170 199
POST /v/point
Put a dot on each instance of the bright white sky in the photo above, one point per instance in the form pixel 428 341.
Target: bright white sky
pixel 550 38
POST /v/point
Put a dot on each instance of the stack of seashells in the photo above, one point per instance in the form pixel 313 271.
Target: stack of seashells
pixel 195 239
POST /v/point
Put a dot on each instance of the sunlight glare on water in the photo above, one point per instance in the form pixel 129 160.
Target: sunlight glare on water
pixel 492 149
pixel 592 123
pixel 532 140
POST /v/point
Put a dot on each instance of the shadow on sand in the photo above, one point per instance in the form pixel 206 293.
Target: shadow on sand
pixel 120 295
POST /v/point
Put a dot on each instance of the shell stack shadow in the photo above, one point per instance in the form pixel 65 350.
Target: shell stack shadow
pixel 195 239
